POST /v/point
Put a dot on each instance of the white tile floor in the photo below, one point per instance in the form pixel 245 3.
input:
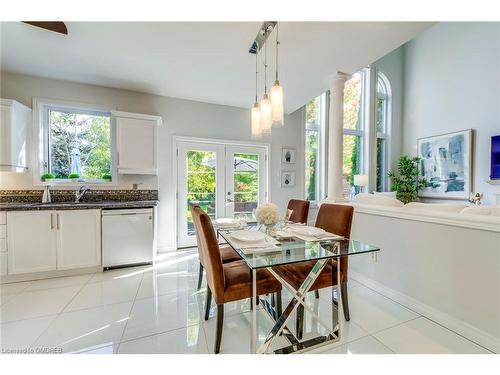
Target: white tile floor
pixel 158 310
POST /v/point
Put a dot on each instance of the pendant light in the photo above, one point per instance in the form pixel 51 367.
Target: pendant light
pixel 277 91
pixel 266 115
pixel 256 129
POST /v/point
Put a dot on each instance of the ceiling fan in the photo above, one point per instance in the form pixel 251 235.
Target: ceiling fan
pixel 57 27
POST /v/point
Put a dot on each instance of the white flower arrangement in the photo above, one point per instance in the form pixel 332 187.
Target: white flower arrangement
pixel 267 214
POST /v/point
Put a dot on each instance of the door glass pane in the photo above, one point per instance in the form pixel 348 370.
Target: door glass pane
pixel 201 182
pixel 246 184
pixel 351 162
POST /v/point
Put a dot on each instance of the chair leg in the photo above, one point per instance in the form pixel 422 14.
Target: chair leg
pixel 279 306
pixel 345 301
pixel 220 324
pixel 208 302
pixel 200 276
pixel 316 293
pixel 300 321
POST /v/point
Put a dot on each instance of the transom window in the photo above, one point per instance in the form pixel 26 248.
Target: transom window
pixel 75 145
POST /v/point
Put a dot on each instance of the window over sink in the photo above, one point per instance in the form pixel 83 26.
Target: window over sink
pixel 75 144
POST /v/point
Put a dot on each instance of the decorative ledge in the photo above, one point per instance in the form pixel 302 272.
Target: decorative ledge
pixel 488 223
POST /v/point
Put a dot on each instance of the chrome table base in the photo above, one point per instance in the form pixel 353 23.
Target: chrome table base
pixel 280 328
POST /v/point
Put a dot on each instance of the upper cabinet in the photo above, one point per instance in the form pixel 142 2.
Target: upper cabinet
pixel 14 130
pixel 136 143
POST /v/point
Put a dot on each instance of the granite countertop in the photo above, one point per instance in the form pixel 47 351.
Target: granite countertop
pixel 23 206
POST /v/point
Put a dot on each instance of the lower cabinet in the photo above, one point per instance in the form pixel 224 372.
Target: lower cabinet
pixel 31 242
pixel 39 241
pixel 78 239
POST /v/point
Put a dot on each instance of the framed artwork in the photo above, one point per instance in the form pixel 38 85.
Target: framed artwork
pixel 287 179
pixel 288 155
pixel 446 165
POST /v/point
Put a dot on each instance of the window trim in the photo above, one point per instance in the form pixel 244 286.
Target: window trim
pixel 41 142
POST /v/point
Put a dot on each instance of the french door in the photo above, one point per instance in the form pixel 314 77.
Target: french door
pixel 225 180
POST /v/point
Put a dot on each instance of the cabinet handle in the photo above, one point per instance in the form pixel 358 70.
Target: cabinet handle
pixel 118 158
pixel 57 221
pixel 51 221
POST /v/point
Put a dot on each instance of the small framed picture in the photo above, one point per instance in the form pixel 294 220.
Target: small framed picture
pixel 288 155
pixel 287 179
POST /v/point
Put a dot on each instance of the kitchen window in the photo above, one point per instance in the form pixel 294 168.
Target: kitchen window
pixel 75 144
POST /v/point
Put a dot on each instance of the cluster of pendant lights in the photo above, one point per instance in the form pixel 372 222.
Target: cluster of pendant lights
pixel 269 112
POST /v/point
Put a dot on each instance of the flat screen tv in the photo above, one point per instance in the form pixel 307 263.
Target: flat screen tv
pixel 495 157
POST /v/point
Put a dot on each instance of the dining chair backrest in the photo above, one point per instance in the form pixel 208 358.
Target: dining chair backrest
pixel 197 230
pixel 299 210
pixel 337 219
pixel 211 253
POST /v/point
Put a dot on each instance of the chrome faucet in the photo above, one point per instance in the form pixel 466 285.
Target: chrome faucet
pixel 80 193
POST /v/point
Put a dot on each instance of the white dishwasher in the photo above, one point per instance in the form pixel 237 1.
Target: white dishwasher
pixel 127 237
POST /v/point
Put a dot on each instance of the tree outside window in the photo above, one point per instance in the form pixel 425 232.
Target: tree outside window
pixel 79 145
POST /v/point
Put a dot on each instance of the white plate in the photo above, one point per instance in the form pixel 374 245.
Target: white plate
pixel 248 235
pixel 308 231
pixel 226 221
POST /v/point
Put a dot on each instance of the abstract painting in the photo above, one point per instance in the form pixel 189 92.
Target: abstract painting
pixel 446 165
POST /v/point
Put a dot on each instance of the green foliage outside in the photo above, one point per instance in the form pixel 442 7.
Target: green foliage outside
pixel 201 180
pixel 89 134
pixel 408 183
pixel 352 143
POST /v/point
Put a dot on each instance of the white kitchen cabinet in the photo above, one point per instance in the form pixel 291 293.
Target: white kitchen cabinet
pixel 14 134
pixel 136 143
pixel 39 241
pixel 31 242
pixel 78 239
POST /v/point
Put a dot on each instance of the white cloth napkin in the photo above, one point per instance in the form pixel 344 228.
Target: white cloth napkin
pixel 322 237
pixel 267 244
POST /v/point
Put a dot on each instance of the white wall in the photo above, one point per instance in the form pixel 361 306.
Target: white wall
pixel 180 117
pixel 452 82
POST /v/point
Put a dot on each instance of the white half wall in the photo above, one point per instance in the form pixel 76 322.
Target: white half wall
pixel 180 117
pixel 452 83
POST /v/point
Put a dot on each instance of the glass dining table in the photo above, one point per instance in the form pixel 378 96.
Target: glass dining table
pixel 288 251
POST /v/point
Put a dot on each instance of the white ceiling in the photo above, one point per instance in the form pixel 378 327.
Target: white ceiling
pixel 204 61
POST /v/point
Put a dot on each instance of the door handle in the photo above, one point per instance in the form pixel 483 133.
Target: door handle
pixel 51 221
pixel 229 200
pixel 57 221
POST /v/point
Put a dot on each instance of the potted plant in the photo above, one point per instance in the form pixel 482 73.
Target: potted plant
pixel 74 176
pixel 106 176
pixel 408 183
pixel 47 177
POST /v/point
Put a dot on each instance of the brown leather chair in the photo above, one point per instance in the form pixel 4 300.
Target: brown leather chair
pixel 227 254
pixel 298 210
pixel 333 218
pixel 228 282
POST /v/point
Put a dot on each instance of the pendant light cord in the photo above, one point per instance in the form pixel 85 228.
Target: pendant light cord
pixel 277 48
pixel 256 75
pixel 265 68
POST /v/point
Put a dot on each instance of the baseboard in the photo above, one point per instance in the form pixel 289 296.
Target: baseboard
pixel 470 332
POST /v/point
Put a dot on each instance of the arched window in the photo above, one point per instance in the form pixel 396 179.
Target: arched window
pixel 383 124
